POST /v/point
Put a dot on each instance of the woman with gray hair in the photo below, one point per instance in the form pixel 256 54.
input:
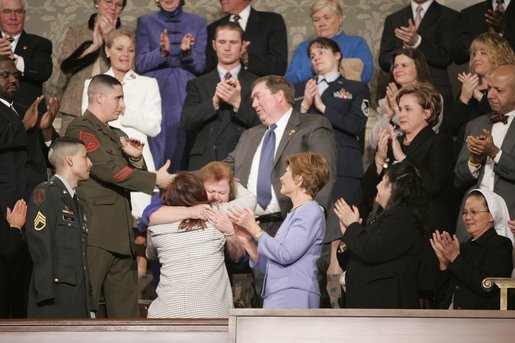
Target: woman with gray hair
pixel 327 19
pixel 488 253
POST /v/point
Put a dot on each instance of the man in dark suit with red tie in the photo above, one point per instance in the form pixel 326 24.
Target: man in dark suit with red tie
pixel 32 54
pixel 217 108
pixel 265 49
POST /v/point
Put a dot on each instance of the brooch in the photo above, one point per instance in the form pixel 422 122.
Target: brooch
pixel 342 94
pixel 291 132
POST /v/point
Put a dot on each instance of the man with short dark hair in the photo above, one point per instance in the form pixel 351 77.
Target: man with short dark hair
pixel 118 169
pixel 265 46
pixel 217 108
pixel 57 237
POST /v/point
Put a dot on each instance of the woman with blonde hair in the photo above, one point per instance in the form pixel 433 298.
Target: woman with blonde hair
pixel 487 52
pixel 327 19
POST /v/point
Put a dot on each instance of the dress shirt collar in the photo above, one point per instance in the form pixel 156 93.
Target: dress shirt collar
pixel 234 72
pixel 6 103
pixel 506 4
pixel 331 78
pixel 283 121
pixel 244 17
pixel 66 184
pixel 425 6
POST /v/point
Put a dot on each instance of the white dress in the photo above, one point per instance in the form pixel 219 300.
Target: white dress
pixel 194 281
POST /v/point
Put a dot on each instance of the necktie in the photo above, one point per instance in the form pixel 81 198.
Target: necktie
pixel 227 76
pixel 418 16
pixel 499 117
pixel 266 163
pixel 10 39
pixel 236 19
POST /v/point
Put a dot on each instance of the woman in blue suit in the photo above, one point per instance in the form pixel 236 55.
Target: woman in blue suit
pixel 289 259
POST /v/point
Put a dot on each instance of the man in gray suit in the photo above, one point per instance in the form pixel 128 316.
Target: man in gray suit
pixel 272 99
pixel 487 158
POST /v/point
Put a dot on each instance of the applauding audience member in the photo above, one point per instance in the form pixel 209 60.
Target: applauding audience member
pixel 82 55
pixel 485 254
pixel 487 52
pixel 409 67
pixel 170 46
pixel 385 255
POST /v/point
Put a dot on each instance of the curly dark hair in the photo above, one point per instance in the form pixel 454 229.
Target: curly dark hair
pixel 408 189
pixel 186 189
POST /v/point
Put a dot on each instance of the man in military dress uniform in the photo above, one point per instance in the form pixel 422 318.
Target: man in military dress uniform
pixel 118 169
pixel 57 237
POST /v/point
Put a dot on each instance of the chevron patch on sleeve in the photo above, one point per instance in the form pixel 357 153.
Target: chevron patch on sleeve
pixel 91 141
pixel 123 173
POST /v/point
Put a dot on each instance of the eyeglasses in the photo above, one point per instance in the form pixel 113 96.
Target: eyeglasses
pixel 472 213
pixel 6 75
pixel 9 11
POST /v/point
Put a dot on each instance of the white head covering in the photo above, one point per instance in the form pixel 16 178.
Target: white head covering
pixel 498 210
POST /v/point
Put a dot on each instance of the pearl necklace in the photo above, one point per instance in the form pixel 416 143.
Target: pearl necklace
pixel 299 205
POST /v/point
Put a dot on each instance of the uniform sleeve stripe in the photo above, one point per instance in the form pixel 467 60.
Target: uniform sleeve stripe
pixel 123 173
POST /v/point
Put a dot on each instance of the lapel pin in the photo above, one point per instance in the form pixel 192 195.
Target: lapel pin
pixel 291 132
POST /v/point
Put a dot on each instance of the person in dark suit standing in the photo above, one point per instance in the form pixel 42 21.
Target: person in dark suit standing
pixel 427 26
pixel 118 169
pixel 57 236
pixel 265 47
pixel 217 108
pixel 494 16
pixel 22 137
pixel 345 103
pixel 487 158
pixel 32 54
pixel 10 242
pixel 258 159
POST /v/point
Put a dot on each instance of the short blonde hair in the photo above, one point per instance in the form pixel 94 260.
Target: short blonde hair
pixel 334 5
pixel 312 167
pixel 119 32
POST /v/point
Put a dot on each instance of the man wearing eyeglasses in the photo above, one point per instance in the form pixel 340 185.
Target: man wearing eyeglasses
pixel 32 54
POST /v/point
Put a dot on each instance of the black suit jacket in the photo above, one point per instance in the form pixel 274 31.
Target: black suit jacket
pixel 488 256
pixel 385 257
pixel 437 31
pixel 10 242
pixel 268 49
pixel 37 55
pixel 214 133
pixel 472 23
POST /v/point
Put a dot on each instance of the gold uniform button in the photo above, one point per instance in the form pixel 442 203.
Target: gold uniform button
pixel 56 280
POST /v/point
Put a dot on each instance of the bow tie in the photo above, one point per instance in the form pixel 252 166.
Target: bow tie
pixel 497 117
pixel 319 81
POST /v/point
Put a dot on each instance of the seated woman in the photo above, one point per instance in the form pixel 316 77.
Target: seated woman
pixel 409 66
pixel 385 255
pixel 486 254
pixel 487 52
pixel 289 259
pixel 327 18
pixel 194 281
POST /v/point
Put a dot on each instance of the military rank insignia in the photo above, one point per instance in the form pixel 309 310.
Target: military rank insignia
pixel 343 94
pixel 91 141
pixel 39 221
